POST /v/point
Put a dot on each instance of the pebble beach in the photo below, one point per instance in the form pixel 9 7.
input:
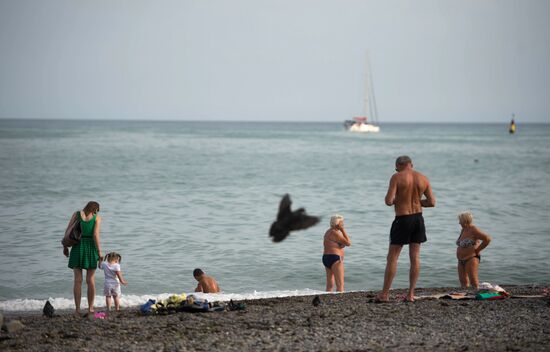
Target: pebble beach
pixel 342 322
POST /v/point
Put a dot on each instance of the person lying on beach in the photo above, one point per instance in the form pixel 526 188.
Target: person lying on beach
pixel 113 279
pixel 207 284
pixel 334 242
pixel 470 243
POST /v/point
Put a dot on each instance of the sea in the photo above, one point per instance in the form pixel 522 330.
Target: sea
pixel 176 196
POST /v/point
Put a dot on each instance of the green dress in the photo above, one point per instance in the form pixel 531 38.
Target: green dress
pixel 84 255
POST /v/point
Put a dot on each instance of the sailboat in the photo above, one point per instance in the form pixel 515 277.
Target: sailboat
pixel 369 121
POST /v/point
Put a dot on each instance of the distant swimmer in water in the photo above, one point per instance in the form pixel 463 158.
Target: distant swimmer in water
pixel 288 220
pixel 469 245
pixel 335 240
pixel 207 284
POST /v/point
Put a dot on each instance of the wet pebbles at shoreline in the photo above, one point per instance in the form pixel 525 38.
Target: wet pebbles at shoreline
pixel 341 322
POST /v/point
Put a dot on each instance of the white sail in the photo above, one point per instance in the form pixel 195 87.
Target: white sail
pixel 368 122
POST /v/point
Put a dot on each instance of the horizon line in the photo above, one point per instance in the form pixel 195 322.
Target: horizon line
pixel 257 121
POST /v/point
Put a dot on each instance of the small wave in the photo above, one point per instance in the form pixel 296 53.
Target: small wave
pixel 29 305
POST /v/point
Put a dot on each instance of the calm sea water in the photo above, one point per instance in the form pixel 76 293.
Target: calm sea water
pixel 180 195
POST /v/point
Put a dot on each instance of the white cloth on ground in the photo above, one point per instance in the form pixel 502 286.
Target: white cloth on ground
pixel 489 287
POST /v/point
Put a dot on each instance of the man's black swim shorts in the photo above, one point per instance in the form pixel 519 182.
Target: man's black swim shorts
pixel 407 229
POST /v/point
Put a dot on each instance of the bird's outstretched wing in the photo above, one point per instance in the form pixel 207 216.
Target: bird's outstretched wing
pixel 284 208
pixel 302 221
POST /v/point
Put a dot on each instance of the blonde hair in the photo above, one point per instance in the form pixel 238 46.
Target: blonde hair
pixel 335 219
pixel 111 257
pixel 465 217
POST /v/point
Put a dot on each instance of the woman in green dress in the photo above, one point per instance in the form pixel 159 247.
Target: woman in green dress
pixel 85 254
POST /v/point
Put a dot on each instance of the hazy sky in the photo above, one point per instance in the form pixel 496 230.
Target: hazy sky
pixel 275 60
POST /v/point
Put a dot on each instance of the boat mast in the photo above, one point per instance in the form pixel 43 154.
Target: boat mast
pixel 373 108
pixel 366 107
pixel 370 109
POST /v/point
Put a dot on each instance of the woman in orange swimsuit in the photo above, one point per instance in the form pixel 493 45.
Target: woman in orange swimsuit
pixel 469 244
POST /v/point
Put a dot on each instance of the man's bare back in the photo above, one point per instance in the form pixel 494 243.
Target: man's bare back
pixel 207 284
pixel 406 189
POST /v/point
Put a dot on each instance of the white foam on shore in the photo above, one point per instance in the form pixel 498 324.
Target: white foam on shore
pixel 29 305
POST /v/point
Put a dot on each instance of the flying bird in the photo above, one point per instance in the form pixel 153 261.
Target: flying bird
pixel 288 220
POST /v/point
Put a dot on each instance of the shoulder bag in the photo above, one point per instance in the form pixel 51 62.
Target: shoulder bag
pixel 73 233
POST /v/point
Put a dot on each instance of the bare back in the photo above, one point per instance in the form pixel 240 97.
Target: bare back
pixel 406 190
pixel 209 284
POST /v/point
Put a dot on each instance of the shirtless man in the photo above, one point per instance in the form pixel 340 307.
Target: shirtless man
pixel 405 193
pixel 207 284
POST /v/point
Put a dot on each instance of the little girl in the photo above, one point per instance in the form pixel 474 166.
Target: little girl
pixel 113 279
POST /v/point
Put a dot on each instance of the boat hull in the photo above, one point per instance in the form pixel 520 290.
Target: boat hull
pixel 364 128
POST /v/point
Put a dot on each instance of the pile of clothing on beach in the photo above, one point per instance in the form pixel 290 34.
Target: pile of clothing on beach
pixel 184 303
pixel 180 303
pixel 489 292
pixel 485 292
